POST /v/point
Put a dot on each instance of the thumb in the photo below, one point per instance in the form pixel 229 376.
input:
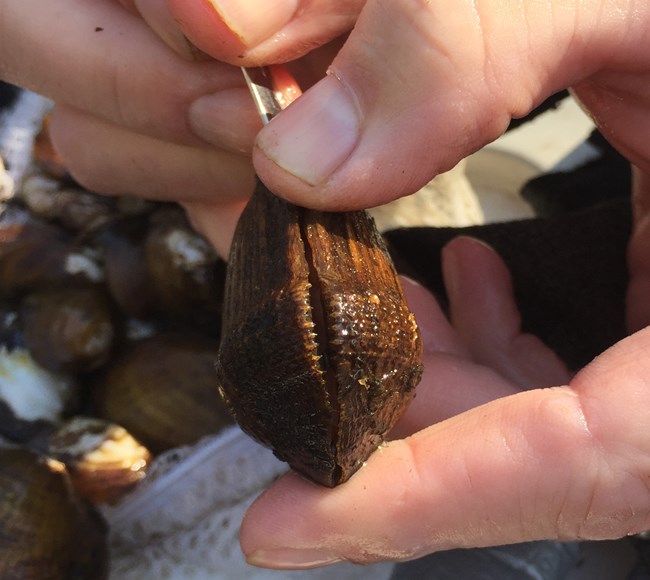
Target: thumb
pixel 419 85
pixel 559 463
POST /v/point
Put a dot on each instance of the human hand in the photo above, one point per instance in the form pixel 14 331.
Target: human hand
pixel 420 85
pixel 568 462
pixel 130 101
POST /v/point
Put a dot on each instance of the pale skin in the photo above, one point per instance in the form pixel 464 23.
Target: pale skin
pixel 485 455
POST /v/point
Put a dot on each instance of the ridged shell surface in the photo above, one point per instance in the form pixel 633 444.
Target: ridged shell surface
pixel 320 354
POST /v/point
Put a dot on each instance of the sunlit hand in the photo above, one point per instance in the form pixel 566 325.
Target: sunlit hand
pixel 570 461
pixel 132 96
pixel 418 86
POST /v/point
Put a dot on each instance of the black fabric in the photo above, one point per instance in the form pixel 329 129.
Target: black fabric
pixel 529 561
pixel 606 177
pixel 8 94
pixel 551 102
pixel 569 272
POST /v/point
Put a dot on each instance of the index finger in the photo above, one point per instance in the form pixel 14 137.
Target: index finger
pixel 98 57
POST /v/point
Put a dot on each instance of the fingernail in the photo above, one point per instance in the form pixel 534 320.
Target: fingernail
pixel 288 559
pixel 226 119
pixel 254 20
pixel 315 134
pixel 158 17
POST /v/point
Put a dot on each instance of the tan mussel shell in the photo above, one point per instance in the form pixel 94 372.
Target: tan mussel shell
pixel 34 255
pixel 320 354
pixel 103 459
pixel 162 390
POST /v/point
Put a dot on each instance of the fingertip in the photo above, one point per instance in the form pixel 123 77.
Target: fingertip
pixel 287 186
pixel 271 525
pixel 297 524
pixel 204 27
pixel 228 29
pixel 466 262
pixel 472 267
pixel 226 119
pixel 467 248
pixel 216 222
pixel 481 300
pixel 485 314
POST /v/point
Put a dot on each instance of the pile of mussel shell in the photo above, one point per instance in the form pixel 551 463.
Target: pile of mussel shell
pixel 109 325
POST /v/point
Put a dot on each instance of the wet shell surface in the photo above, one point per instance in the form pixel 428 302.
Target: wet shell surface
pixel 320 354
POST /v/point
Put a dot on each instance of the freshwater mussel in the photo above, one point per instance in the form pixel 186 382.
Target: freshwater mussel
pixel 70 311
pixel 69 329
pixel 320 354
pixel 162 389
pixel 103 459
pixel 35 255
pixel 158 267
pixel 46 530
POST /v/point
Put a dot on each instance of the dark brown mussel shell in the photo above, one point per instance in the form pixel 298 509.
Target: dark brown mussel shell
pixel 320 354
pixel 64 203
pixel 33 255
pixel 127 278
pixel 46 531
pixel 186 272
pixel 162 390
pixel 69 329
pixel 158 267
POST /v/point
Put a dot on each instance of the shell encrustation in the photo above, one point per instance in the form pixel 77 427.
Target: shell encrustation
pixel 320 354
